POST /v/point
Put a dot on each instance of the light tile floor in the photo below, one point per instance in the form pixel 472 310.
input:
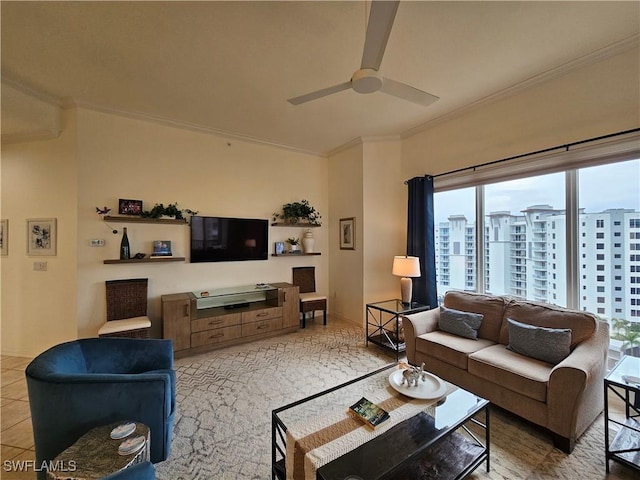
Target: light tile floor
pixel 16 435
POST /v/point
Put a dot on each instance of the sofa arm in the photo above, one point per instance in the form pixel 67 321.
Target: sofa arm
pixel 575 392
pixel 418 324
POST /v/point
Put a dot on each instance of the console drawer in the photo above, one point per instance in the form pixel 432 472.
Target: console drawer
pixel 261 326
pixel 203 324
pixel 264 314
pixel 217 335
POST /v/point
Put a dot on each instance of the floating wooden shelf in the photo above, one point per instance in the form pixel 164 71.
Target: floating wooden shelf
pixel 133 219
pixel 296 225
pixel 148 260
pixel 294 254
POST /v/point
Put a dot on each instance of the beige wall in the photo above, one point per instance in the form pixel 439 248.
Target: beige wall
pixel 39 180
pixel 346 267
pixel 597 99
pixel 112 157
pixel 365 182
pixel 385 217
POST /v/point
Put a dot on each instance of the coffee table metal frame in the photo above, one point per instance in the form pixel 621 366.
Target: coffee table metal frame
pixel 481 409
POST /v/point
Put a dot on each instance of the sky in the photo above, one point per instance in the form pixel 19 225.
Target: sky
pixel 606 186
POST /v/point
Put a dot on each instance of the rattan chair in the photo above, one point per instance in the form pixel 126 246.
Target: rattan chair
pixel 126 309
pixel 310 301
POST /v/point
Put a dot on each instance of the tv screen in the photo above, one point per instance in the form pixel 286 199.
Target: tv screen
pixel 219 239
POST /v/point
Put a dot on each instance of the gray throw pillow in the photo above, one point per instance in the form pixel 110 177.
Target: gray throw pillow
pixel 463 324
pixel 551 345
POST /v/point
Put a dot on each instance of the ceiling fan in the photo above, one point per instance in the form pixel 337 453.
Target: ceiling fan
pixel 367 79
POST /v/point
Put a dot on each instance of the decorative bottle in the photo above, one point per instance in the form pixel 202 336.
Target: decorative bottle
pixel 308 242
pixel 124 246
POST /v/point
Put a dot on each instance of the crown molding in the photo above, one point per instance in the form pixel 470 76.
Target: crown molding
pixel 7 138
pixel 596 56
pixel 71 103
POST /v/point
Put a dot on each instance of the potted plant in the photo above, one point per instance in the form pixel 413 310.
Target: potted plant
pixel 171 211
pixel 298 211
pixel 294 244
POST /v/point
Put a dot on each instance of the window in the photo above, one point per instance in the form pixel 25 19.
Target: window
pixel 454 226
pixel 600 300
pixel 524 219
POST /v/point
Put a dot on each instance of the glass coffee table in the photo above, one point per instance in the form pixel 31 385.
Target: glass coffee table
pixel 443 437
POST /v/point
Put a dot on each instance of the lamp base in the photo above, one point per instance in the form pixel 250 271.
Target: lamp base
pixel 406 287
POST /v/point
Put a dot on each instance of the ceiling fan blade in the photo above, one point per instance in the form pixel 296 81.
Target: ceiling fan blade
pixel 407 92
pixel 319 93
pixel 381 19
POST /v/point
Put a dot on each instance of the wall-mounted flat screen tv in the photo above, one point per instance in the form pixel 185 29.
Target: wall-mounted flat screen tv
pixel 221 239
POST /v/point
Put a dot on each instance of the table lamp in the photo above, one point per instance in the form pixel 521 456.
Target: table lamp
pixel 405 267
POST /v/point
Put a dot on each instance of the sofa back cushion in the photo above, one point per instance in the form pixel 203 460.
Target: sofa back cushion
pixel 491 307
pixel 582 324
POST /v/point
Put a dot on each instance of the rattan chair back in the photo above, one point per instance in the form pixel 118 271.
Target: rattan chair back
pixel 305 278
pixel 126 298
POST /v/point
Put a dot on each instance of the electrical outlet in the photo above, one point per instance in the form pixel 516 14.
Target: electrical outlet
pixel 40 266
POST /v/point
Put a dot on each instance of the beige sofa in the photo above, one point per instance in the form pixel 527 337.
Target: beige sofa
pixel 564 398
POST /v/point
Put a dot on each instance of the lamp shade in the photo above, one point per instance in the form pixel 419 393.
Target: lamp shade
pixel 404 266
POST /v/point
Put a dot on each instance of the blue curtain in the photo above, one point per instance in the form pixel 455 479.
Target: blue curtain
pixel 420 239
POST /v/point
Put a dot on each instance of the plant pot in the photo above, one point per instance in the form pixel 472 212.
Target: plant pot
pixel 294 248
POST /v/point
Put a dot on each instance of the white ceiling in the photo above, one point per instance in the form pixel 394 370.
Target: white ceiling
pixel 229 67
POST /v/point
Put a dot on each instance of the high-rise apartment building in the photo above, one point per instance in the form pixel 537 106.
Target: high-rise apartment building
pixel 525 256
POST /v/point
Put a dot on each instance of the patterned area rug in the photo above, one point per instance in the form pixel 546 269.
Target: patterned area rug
pixel 225 398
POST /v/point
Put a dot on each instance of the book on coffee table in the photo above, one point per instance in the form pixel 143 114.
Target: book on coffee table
pixel 371 414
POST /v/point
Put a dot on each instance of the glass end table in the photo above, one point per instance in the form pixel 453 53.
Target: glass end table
pixel 623 381
pixel 384 327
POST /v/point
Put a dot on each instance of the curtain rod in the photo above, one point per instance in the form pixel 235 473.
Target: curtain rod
pixel 566 147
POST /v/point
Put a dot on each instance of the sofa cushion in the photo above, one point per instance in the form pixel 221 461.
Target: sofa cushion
pixel 582 324
pixel 550 345
pixel 524 375
pixel 449 348
pixel 491 307
pixel 463 324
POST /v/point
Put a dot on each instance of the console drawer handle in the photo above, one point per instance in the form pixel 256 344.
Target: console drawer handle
pixel 215 322
pixel 263 314
pixel 217 335
pixel 260 327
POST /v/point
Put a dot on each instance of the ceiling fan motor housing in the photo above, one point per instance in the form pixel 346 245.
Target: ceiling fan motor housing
pixel 366 80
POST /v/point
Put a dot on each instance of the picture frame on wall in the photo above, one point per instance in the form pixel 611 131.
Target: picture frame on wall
pixel 41 236
pixel 348 233
pixel 4 238
pixel 129 207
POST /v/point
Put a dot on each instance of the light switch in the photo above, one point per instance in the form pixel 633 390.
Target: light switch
pixel 96 242
pixel 40 266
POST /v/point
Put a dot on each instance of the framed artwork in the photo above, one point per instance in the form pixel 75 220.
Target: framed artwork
pixel 4 237
pixel 41 236
pixel 348 233
pixel 129 207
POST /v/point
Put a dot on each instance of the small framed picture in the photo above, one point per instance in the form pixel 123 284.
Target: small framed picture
pixel 162 248
pixel 4 237
pixel 279 248
pixel 129 207
pixel 41 236
pixel 348 233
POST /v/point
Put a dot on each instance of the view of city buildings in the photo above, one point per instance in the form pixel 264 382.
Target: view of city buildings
pixel 525 256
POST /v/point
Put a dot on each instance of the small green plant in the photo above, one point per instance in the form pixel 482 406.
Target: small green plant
pixel 293 241
pixel 171 210
pixel 297 211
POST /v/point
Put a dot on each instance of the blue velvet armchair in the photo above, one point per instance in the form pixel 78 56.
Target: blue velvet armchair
pixel 79 385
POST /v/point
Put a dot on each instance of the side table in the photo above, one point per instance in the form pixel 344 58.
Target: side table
pixel 95 455
pixel 384 327
pixel 625 447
